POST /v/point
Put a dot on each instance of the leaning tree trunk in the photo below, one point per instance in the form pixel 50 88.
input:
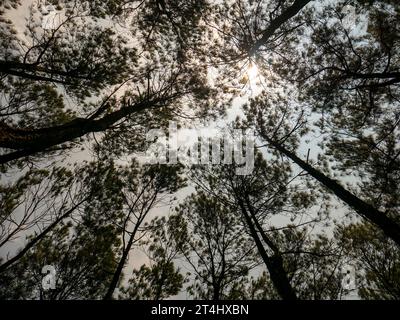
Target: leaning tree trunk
pixel 120 267
pixel 388 226
pixel 276 23
pixel 38 238
pixel 28 142
pixel 274 264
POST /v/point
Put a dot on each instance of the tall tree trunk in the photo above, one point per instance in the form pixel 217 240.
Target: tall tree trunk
pixel 274 264
pixel 388 226
pixel 121 264
pixel 276 23
pixel 120 267
pixel 30 141
pixel 216 292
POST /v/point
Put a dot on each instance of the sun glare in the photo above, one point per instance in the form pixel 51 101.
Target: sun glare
pixel 252 72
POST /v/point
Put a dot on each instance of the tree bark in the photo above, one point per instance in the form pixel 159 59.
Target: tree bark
pixel 34 71
pixel 277 23
pixel 274 264
pixel 121 264
pixel 31 141
pixel 120 267
pixel 367 211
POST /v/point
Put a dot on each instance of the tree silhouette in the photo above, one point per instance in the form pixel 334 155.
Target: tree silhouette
pixel 82 83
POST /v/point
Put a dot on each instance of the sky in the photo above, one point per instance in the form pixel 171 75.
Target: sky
pixel 137 255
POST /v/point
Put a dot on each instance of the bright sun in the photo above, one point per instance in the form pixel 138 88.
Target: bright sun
pixel 252 72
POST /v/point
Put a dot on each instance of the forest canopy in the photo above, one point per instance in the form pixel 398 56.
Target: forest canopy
pixel 308 91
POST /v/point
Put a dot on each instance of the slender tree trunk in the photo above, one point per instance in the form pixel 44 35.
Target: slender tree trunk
pixel 274 264
pixel 121 264
pixel 277 23
pixel 120 267
pixel 34 71
pixel 367 211
pixel 34 241
pixel 216 292
pixel 28 142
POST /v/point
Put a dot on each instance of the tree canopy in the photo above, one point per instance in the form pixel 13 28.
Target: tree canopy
pixel 85 83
